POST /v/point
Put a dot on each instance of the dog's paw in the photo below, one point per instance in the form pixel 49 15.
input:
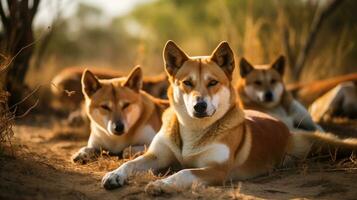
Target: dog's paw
pixel 159 187
pixel 84 156
pixel 113 180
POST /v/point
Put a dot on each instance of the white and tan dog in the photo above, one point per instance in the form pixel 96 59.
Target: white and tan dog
pixel 339 101
pixel 261 87
pixel 207 132
pixel 120 114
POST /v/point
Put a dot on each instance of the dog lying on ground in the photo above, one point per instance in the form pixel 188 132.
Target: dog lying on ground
pixel 207 132
pixel 261 87
pixel 329 98
pixel 69 80
pixel 307 93
pixel 120 114
pixel 340 101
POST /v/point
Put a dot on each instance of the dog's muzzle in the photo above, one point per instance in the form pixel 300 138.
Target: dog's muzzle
pixel 117 128
pixel 268 96
pixel 200 109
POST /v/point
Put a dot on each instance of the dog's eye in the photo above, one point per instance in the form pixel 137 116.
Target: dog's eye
pixel 105 107
pixel 273 81
pixel 212 83
pixel 125 105
pixel 257 82
pixel 188 83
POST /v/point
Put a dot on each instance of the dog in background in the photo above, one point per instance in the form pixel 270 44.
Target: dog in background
pixel 328 98
pixel 261 87
pixel 120 114
pixel 67 89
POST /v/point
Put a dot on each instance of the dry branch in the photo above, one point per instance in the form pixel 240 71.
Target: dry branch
pixel 297 62
pixel 319 18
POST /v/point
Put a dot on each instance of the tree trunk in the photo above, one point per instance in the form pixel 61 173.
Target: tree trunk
pixel 297 65
pixel 17 43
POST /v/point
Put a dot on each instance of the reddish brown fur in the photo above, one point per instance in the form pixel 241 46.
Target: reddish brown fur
pixel 70 79
pixel 309 92
pixel 232 144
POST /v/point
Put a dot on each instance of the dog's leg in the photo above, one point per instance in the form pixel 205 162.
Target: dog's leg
pixel 186 177
pixel 85 155
pixel 302 118
pixel 158 156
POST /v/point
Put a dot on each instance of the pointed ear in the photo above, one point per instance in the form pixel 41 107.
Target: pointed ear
pixel 224 57
pixel 245 67
pixel 90 83
pixel 279 65
pixel 134 80
pixel 174 57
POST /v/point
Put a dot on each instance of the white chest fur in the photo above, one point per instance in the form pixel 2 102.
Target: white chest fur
pixel 202 155
pixel 115 144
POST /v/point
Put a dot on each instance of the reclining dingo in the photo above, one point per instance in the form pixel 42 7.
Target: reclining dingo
pixel 207 132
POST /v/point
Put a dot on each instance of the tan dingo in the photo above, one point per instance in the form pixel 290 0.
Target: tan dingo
pixel 261 88
pixel 207 132
pixel 120 114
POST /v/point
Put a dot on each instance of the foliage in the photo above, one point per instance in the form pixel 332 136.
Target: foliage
pixel 253 28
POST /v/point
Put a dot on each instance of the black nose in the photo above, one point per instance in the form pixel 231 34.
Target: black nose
pixel 119 127
pixel 200 107
pixel 268 96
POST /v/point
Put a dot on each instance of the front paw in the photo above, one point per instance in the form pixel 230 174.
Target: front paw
pixel 159 187
pixel 85 155
pixel 113 180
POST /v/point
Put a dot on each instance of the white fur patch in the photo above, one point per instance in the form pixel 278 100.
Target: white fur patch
pixel 220 102
pixel 145 135
pixel 189 101
pixel 181 179
pixel 110 125
pixel 217 153
pixel 105 120
pixel 278 92
pixel 177 93
pixel 251 92
pixel 216 100
pixel 260 95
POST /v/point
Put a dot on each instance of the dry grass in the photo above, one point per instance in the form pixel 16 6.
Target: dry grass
pixel 43 152
pixel 6 119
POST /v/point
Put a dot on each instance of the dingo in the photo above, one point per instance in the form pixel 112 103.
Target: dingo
pixel 330 97
pixel 69 80
pixel 261 88
pixel 207 132
pixel 120 114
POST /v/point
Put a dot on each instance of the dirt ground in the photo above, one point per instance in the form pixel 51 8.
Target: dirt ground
pixel 38 166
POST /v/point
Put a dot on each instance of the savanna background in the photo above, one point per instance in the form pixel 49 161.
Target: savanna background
pixel 39 38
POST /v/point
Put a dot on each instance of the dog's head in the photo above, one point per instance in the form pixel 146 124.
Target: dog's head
pixel 201 86
pixel 114 105
pixel 263 84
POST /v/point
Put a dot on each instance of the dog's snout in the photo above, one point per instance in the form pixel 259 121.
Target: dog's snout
pixel 119 127
pixel 268 96
pixel 200 106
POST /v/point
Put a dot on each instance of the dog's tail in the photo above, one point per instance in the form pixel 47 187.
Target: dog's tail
pixel 303 142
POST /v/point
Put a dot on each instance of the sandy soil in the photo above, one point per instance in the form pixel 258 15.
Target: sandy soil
pixel 38 166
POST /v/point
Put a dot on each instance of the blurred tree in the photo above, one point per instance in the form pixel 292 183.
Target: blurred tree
pixel 252 27
pixel 86 39
pixel 297 62
pixel 16 43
